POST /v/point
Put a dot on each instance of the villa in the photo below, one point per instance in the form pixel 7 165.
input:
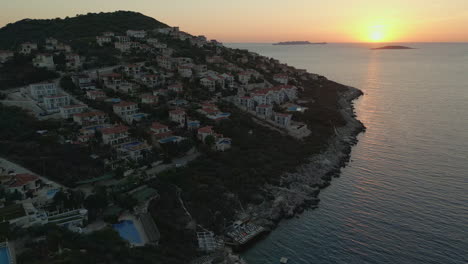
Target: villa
pixel 44 60
pixel 133 150
pixel 69 110
pixel 91 118
pixel 39 90
pixel 281 78
pixel 209 83
pixel 54 102
pixel 115 135
pixel 136 33
pixel 101 40
pixel 177 116
pixel 73 61
pixel 96 95
pixel 283 120
pixel 27 47
pixel 25 184
pixel 149 99
pixel 177 88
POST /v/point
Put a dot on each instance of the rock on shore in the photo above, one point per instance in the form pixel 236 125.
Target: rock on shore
pixel 300 190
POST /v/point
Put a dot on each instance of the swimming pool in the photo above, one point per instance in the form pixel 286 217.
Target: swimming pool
pixel 169 139
pixel 5 256
pixel 128 231
pixel 51 193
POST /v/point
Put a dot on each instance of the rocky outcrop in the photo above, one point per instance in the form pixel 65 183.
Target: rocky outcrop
pixel 300 190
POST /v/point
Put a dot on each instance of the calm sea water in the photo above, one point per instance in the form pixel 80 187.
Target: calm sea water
pixel 404 196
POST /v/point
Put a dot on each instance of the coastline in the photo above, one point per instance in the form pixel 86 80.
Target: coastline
pixel 300 190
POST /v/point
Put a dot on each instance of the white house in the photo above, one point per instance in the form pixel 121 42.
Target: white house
pixel 39 90
pixel 136 33
pixel 185 71
pixel 44 60
pixel 73 61
pixel 91 118
pixel 176 87
pixel 150 80
pixel 101 40
pixel 27 47
pixel 159 131
pixel 200 69
pixel 149 99
pixel 264 110
pixel 132 69
pixel 54 102
pixel 115 135
pixel 124 109
pixel 178 116
pixel 283 120
pixel 69 110
pixel 208 82
pixel 23 184
pixel 244 77
pixel 5 55
pixel 96 95
pixel 123 46
pixel 281 78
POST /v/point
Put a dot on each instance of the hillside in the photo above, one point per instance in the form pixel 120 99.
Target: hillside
pixel 81 26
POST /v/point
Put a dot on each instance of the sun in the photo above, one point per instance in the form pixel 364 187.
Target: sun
pixel 377 33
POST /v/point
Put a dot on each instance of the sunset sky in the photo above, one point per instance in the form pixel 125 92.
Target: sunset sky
pixel 275 20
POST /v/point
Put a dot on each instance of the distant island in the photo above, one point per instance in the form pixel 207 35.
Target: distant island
pixel 392 47
pixel 299 43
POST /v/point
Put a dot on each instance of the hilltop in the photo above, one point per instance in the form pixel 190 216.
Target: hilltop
pixel 73 28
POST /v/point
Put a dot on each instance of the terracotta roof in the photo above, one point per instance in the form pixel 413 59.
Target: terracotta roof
pixel 177 112
pixel 23 179
pixel 114 130
pixel 207 129
pixel 124 104
pixel 89 114
pixel 157 125
pixel 74 106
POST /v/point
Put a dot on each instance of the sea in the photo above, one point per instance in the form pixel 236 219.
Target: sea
pixel 403 198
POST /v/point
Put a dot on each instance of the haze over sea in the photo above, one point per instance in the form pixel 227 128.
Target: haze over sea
pixel 404 196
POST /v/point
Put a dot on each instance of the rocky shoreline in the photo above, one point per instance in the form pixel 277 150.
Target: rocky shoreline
pixel 298 191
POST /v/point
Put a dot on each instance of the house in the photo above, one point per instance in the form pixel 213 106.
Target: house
pixel 83 81
pixel 54 102
pixel 165 62
pixel 185 71
pixel 159 131
pixel 204 132
pixel 281 78
pixel 27 47
pixel 214 59
pixel 51 41
pixel 69 110
pixel 101 40
pixel 132 69
pixel 108 34
pixel 63 47
pixel 152 41
pixel 228 79
pixel 178 116
pixel 150 80
pixel 23 183
pixel 123 46
pixel 5 55
pixel 136 33
pixel 176 87
pixel 264 110
pixel 149 99
pixel 73 61
pixel 96 95
pixel 208 82
pixel 115 135
pixel 44 60
pixel 39 90
pixel 91 118
pixel 200 69
pixel 133 150
pixel 246 102
pixel 122 39
pixel 283 120
pixel 124 109
pixel 244 77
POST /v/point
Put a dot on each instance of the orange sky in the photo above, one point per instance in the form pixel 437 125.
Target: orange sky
pixel 275 20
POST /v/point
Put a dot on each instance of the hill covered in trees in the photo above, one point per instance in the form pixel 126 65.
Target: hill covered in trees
pixel 72 28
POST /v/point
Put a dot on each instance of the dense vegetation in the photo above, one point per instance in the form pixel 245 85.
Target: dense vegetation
pixel 79 27
pixel 44 154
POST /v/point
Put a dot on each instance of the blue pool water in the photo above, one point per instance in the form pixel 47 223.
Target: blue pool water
pixel 51 193
pixel 128 231
pixel 4 256
pixel 167 140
